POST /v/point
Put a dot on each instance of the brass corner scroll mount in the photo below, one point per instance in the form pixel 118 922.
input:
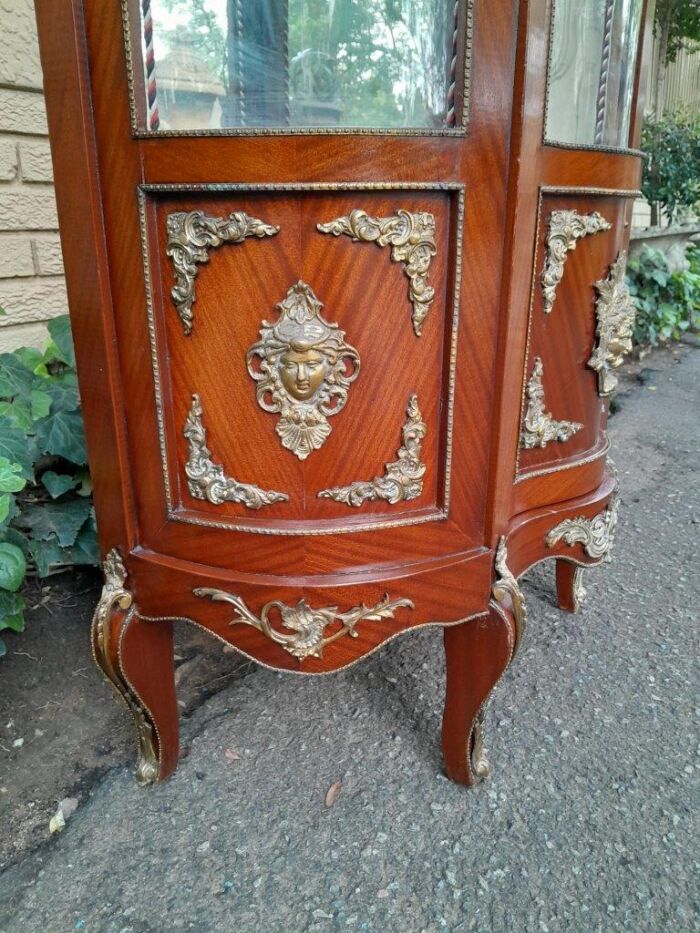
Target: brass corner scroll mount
pixel 207 480
pixel 190 236
pixel 403 477
pixel 596 535
pixel 566 228
pixel 303 368
pixel 412 240
pixel 539 427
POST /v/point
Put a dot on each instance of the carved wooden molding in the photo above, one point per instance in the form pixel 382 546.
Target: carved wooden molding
pixel 303 368
pixel 539 427
pixel 206 480
pixel 190 236
pixel 566 228
pixel 305 635
pixel 615 313
pixel 402 479
pixel 412 239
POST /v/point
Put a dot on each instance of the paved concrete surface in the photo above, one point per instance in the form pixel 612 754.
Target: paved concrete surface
pixel 589 822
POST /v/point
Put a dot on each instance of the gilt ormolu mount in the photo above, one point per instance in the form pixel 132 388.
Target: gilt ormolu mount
pixel 342 381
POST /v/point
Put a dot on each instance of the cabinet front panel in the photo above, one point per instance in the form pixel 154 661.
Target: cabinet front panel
pixel 563 419
pixel 304 373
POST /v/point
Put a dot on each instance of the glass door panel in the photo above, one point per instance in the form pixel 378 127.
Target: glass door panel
pixel 593 50
pixel 217 64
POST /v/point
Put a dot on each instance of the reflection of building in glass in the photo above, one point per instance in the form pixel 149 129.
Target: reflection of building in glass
pixel 313 89
pixel 189 93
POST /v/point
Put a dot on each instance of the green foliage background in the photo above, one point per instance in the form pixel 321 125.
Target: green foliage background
pixel 668 301
pixel 679 20
pixel 47 521
pixel 671 175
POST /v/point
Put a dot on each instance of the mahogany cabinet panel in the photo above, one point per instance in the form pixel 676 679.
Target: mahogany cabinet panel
pixel 562 328
pixel 367 296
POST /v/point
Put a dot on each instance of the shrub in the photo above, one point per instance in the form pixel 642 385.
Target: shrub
pixel 668 302
pixel 46 517
pixel 671 175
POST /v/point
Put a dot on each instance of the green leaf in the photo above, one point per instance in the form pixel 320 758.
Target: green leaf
pixel 40 404
pixel 86 550
pixel 19 414
pixel 58 483
pixel 10 480
pixel 62 435
pixel 5 500
pixel 15 378
pixel 17 447
pixel 64 519
pixel 11 611
pixel 33 359
pixel 47 555
pixel 59 328
pixel 63 390
pixel 13 536
pixel 13 567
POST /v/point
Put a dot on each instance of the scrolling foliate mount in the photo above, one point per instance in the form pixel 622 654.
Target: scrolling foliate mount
pixel 190 236
pixel 115 595
pixel 306 627
pixel 596 535
pixel 539 427
pixel 615 313
pixel 402 479
pixel 303 368
pixel 206 480
pixel 412 240
pixel 506 585
pixel 566 228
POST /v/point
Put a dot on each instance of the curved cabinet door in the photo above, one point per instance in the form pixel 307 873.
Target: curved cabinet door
pixel 563 417
pixel 305 340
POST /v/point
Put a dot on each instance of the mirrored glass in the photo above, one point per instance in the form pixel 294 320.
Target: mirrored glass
pixel 212 64
pixel 591 71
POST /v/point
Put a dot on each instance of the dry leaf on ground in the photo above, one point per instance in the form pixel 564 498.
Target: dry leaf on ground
pixel 332 793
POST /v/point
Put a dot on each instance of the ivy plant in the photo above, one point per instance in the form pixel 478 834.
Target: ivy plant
pixel 668 301
pixel 47 521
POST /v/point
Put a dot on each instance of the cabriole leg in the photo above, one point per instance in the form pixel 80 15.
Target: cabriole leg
pixel 477 653
pixel 137 658
pixel 570 589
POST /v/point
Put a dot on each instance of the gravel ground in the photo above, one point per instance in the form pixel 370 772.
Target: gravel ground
pixel 587 823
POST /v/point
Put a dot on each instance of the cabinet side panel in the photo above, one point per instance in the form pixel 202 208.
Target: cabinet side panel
pixel 68 104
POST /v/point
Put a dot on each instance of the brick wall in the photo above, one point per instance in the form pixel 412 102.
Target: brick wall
pixel 32 288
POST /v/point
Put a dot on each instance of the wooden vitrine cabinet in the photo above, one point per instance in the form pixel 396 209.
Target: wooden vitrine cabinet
pixel 347 289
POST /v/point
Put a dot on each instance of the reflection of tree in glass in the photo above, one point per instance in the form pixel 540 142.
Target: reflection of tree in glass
pixel 198 27
pixel 388 56
pixel 351 62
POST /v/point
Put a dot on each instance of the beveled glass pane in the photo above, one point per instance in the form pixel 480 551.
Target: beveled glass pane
pixel 384 64
pixel 591 71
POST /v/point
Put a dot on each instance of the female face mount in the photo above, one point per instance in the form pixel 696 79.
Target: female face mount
pixel 304 370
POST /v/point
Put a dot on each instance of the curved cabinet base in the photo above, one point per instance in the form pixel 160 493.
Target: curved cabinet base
pixel 315 628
